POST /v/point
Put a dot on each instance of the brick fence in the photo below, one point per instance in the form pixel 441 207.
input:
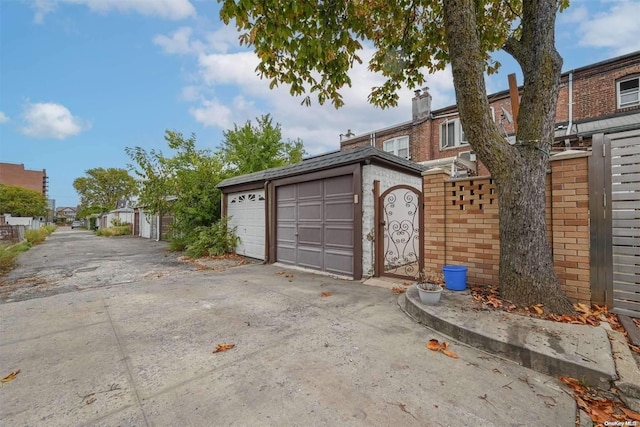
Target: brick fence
pixel 461 224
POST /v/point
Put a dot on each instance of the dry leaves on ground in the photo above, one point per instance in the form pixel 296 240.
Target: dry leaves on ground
pixel 397 290
pixel 326 294
pixel 435 345
pixel 223 347
pixel 10 377
pixel 601 409
pixel 489 296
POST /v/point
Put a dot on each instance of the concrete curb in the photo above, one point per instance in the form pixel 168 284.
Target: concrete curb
pixel 627 369
pixel 552 348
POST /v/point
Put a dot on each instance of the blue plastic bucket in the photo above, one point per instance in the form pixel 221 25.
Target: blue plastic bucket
pixel 455 277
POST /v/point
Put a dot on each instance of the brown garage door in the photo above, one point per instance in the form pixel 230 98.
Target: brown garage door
pixel 315 225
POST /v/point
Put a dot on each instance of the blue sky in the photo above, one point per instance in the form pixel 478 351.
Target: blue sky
pixel 80 80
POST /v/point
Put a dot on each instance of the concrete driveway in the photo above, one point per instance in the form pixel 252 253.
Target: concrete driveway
pixel 130 343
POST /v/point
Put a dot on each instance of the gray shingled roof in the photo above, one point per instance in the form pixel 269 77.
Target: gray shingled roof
pixel 326 161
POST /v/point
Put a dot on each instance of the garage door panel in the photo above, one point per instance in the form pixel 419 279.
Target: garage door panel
pixel 286 233
pixel 338 237
pixel 339 210
pixel 286 212
pixel 310 190
pixel 310 257
pixel 339 262
pixel 338 186
pixel 287 193
pixel 310 235
pixel 310 212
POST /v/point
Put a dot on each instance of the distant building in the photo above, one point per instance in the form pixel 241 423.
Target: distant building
pixel 16 175
pixel 66 214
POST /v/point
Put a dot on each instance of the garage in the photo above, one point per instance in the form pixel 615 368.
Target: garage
pixel 317 214
pixel 246 212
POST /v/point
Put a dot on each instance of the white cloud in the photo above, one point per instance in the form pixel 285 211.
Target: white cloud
pixel 50 120
pixel 212 112
pixel 4 118
pixel 179 42
pixel 616 29
pixel 225 70
pixel 573 15
pixel 168 9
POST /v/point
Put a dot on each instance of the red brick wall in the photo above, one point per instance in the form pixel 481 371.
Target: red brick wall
pixel 16 175
pixel 461 225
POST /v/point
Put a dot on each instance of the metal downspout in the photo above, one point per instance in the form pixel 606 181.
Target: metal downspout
pixel 567 142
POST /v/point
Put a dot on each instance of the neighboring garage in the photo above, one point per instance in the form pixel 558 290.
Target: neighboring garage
pixel 317 214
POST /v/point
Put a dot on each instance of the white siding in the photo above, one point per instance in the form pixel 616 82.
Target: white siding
pixel 145 225
pixel 388 178
pixel 247 212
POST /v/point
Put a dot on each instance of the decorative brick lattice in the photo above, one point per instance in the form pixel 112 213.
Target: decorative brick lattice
pixel 472 194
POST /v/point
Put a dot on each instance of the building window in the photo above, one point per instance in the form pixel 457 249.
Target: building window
pixel 398 146
pixel 628 92
pixel 451 134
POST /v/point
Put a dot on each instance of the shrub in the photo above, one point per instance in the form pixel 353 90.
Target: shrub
pixel 37 236
pixel 177 244
pixel 121 230
pixel 217 239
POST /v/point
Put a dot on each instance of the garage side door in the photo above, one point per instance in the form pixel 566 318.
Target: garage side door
pixel 247 212
pixel 315 225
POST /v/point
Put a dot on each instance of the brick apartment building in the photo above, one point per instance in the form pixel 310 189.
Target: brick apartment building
pixel 16 175
pixel 601 97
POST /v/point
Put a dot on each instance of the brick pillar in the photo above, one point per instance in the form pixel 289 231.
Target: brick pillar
pixel 433 182
pixel 570 223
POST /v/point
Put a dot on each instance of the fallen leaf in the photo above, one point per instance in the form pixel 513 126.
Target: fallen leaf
pixel 434 345
pixel 406 283
pixel 223 347
pixel 631 414
pixel 538 308
pixel 326 294
pixel 449 353
pixel 397 290
pixel 280 272
pixel 10 377
pixel 582 308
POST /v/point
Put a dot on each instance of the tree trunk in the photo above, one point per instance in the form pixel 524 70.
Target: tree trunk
pixel 526 274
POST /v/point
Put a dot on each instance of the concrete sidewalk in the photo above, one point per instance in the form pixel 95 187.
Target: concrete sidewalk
pixel 141 353
pixel 595 355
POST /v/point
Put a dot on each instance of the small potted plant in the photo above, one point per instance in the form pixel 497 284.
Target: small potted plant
pixel 430 284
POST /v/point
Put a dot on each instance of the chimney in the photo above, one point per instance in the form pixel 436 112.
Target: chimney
pixel 421 104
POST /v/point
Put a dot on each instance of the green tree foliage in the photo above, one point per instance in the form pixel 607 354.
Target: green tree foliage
pixel 86 211
pixel 251 148
pixel 19 201
pixel 310 46
pixel 184 184
pixel 102 188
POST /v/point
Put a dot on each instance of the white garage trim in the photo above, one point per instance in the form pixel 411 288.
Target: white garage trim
pixel 247 212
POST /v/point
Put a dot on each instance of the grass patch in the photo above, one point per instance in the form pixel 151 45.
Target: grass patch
pixel 120 230
pixel 9 254
pixel 37 236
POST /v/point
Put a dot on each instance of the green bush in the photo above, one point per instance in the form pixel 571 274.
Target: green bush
pixel 217 239
pixel 121 230
pixel 177 244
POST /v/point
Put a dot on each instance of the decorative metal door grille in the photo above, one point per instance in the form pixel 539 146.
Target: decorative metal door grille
pixel 401 248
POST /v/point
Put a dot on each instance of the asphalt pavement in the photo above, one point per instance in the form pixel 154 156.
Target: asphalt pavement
pixel 121 332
